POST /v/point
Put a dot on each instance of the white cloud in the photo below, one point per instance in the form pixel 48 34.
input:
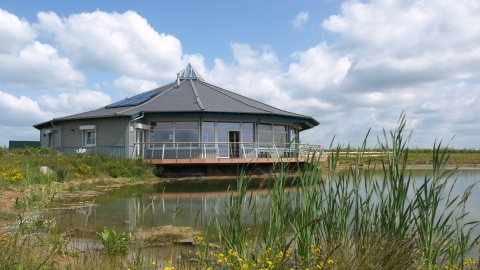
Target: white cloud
pixel 14 32
pixel 24 111
pixel 70 103
pixel 316 68
pixel 39 65
pixel 410 41
pixel 390 56
pixel 20 111
pixel 254 75
pixel 123 43
pixel 126 86
pixel 387 56
pixel 250 59
pixel 300 20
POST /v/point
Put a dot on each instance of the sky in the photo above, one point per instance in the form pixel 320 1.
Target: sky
pixel 352 65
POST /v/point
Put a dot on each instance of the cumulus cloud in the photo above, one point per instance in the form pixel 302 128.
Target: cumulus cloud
pixel 300 20
pixel 316 68
pixel 126 86
pixel 25 111
pixel 28 112
pixel 39 65
pixel 409 42
pixel 254 73
pixel 123 43
pixel 389 57
pixel 69 103
pixel 15 33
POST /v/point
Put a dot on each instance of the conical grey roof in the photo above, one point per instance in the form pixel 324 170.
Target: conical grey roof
pixel 192 95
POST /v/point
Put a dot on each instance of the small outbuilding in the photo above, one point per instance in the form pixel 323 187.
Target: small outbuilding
pixel 186 121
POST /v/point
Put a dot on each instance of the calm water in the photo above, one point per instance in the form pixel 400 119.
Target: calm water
pixel 189 203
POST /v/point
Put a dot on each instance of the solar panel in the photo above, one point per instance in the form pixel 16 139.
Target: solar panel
pixel 135 100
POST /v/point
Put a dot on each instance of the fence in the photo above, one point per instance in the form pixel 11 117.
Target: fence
pixel 224 150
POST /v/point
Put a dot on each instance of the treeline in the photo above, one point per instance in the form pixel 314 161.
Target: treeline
pixel 412 150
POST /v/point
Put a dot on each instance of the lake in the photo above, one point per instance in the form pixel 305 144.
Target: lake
pixel 190 203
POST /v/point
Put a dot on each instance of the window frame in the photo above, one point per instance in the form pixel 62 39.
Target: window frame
pixel 85 137
pixel 173 128
pixel 89 129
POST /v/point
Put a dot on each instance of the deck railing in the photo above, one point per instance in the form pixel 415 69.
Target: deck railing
pixel 197 150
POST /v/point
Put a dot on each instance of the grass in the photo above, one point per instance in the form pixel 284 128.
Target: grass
pixel 336 217
pixel 21 167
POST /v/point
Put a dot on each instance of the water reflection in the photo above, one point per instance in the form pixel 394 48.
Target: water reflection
pixel 191 203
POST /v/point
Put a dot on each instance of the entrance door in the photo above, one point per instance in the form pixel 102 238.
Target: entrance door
pixel 228 144
pixel 140 138
pixel 234 139
pixel 51 140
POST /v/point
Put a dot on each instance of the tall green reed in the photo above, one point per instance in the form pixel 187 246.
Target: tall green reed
pixel 356 218
pixel 233 233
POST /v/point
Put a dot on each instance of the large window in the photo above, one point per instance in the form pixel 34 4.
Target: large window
pixel 293 135
pixel 162 132
pixel 208 133
pixel 268 133
pixel 186 132
pixel 247 132
pixel 174 132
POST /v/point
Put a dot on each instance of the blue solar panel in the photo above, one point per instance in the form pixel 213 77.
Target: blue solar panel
pixel 135 100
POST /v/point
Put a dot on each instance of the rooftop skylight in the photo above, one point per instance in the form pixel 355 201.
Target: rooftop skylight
pixel 190 73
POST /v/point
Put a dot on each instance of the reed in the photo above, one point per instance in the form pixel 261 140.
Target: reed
pixel 347 219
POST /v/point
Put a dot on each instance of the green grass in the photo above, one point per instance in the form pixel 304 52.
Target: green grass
pixel 20 167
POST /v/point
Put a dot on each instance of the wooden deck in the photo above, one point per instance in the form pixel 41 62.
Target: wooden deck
pixel 227 160
pixel 226 153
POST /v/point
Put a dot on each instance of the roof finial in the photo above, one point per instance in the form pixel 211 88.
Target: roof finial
pixel 190 73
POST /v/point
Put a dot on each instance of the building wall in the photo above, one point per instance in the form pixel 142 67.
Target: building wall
pixel 110 132
pixel 45 134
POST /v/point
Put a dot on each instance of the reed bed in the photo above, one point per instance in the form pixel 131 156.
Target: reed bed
pixel 347 219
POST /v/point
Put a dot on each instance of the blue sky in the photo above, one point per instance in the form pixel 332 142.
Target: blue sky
pixel 352 65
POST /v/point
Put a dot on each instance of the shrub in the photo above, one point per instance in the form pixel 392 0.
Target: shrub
pixel 115 244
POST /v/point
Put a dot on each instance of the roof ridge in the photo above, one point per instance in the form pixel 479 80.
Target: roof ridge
pixel 252 100
pixel 197 97
pixel 150 100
